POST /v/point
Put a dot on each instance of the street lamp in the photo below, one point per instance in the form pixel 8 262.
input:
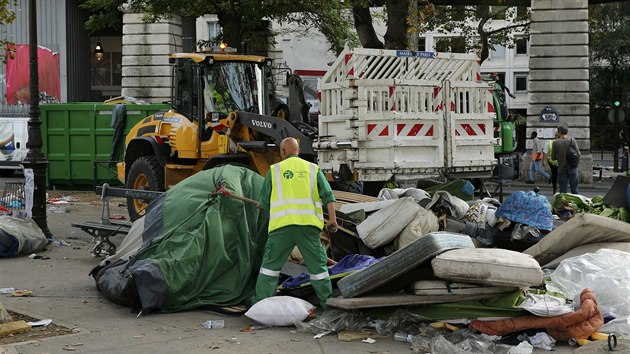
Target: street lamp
pixel 35 159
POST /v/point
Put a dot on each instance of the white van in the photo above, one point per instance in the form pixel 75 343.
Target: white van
pixel 13 137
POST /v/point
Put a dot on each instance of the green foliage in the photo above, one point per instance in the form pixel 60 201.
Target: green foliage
pixel 579 204
pixel 7 16
pixel 240 20
pixel 481 26
pixel 609 50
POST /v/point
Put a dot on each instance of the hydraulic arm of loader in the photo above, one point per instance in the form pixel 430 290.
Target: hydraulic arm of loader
pixel 276 128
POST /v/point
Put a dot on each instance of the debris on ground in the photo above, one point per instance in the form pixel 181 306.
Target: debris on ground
pixel 433 268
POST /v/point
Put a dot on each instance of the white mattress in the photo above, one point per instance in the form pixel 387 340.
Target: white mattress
pixel 491 266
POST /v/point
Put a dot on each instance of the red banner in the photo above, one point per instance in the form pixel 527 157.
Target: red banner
pixel 18 72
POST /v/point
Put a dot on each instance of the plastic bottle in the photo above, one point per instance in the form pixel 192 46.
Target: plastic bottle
pixel 213 324
pixel 403 337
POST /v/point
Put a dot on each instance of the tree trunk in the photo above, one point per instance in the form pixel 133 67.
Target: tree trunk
pixel 396 35
pixel 413 37
pixel 364 26
pixel 484 17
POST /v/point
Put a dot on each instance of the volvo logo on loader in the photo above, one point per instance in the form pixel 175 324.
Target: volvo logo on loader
pixel 262 124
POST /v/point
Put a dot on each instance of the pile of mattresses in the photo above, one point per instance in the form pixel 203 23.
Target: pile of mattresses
pixel 445 258
pixel 438 267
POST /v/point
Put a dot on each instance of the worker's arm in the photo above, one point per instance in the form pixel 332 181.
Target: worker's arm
pixel 265 194
pixel 328 199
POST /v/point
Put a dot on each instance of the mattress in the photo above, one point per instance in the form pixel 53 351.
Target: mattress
pixel 491 266
pixel 401 261
pixel 384 225
pixel 447 288
pixel 580 230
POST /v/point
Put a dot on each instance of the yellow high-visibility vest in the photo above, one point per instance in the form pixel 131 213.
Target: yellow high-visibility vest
pixel 295 197
pixel 549 152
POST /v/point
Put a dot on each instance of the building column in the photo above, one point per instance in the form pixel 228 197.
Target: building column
pixel 558 75
pixel 146 72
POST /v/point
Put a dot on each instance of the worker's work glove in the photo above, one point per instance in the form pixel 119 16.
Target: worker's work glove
pixel 332 226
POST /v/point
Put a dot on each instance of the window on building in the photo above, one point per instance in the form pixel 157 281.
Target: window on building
pixel 521 45
pixel 520 82
pixel 498 52
pixel 521 11
pixel 451 45
pixel 422 44
pixel 214 30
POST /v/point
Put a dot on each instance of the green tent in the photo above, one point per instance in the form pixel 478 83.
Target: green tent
pixel 197 249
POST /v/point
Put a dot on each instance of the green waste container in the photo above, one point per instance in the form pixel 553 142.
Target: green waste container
pixel 76 135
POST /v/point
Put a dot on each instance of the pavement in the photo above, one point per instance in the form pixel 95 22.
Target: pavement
pixel 63 292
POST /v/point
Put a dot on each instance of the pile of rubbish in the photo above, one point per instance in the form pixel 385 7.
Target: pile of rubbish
pixel 431 267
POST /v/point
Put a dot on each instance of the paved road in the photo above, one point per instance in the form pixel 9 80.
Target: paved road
pixel 64 292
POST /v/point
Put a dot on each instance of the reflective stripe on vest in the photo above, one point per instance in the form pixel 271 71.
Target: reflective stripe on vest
pixel 295 197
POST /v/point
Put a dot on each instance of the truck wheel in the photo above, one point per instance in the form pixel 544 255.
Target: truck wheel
pixel 145 174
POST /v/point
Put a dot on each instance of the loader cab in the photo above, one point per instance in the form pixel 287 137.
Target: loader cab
pixel 214 85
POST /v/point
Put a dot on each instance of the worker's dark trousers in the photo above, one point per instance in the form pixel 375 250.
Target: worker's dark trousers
pixel 279 245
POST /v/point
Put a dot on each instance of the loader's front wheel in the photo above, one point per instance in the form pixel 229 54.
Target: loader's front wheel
pixel 145 174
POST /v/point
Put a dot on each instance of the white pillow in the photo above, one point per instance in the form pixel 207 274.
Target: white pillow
pixel 280 311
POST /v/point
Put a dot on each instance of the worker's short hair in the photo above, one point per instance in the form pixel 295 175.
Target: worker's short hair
pixel 563 129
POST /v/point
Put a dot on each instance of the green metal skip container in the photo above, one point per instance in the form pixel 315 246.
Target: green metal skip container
pixel 78 140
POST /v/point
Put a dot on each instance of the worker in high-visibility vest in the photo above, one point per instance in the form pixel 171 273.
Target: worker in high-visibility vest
pixel 294 192
pixel 553 164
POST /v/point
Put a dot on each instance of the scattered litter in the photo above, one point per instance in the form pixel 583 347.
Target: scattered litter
pixel 138 337
pixel 6 290
pixel 213 324
pixel 35 256
pixel 118 217
pixel 540 340
pixel 70 349
pixel 59 209
pixel 76 344
pixel 40 323
pixel 21 293
pixel 58 243
pixel 369 341
pixel 85 301
pixel 253 328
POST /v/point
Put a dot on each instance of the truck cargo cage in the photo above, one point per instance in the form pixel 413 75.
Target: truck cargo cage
pixel 405 115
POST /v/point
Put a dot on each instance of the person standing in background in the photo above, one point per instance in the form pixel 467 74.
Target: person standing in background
pixel 559 149
pixel 537 159
pixel 553 164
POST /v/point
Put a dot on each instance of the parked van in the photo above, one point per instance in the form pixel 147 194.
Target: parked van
pixel 13 137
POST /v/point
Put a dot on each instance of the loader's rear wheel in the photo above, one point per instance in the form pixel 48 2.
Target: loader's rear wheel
pixel 145 174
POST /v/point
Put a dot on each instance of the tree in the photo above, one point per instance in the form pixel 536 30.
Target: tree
pixel 482 26
pixel 468 21
pixel 240 20
pixel 7 16
pixel 609 50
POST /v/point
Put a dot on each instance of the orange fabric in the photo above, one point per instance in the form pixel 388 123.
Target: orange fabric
pixel 578 325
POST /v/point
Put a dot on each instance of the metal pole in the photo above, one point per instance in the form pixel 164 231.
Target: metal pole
pixel 35 158
pixel 616 166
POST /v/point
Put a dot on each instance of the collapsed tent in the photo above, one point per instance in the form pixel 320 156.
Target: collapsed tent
pixel 197 249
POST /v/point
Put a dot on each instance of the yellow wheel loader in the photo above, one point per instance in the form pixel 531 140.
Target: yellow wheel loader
pixel 222 113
